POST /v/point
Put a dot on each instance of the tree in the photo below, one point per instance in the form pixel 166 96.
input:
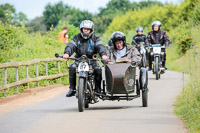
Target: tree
pixel 37 25
pixel 54 13
pixel 6 13
pixel 78 16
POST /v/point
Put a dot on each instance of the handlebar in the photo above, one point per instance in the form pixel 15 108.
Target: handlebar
pixel 76 59
pixel 156 45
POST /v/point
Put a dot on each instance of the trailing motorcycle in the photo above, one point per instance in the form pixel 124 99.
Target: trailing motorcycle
pixel 141 48
pixel 157 55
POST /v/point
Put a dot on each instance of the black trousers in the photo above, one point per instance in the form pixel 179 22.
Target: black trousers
pixel 97 73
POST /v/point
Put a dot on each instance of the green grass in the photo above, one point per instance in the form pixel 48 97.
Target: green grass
pixel 187 105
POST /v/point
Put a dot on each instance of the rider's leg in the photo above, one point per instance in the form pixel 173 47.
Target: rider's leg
pixel 72 80
pixel 164 61
pixel 98 77
pixel 150 61
pixel 147 57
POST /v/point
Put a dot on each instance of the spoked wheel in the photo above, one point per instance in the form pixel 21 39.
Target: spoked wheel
pixel 81 94
pixel 156 68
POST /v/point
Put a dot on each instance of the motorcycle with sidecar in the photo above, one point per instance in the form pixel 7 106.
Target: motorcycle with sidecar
pixel 119 82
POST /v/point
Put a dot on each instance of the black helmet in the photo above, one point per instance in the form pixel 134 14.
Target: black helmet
pixel 139 28
pixel 87 24
pixel 117 36
pixel 156 23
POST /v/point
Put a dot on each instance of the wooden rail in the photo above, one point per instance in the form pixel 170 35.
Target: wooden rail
pixel 38 78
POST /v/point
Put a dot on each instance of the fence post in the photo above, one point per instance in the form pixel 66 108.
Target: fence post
pixel 58 66
pixel 37 74
pixel 46 68
pixel 5 79
pixel 16 77
pixel 27 76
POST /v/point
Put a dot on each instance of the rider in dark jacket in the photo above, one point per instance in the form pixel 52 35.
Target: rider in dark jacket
pixel 139 37
pixel 157 36
pixel 85 43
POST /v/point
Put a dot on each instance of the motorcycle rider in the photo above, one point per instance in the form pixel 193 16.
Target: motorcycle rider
pixel 85 43
pixel 138 38
pixel 122 51
pixel 157 36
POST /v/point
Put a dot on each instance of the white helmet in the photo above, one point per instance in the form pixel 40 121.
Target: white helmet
pixel 86 24
pixel 156 23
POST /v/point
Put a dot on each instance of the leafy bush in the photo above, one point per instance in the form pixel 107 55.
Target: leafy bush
pixel 184 43
pixel 32 46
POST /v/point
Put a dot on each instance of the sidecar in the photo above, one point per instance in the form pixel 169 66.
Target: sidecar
pixel 121 82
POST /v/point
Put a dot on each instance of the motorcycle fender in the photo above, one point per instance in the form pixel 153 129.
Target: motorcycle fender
pixel 143 79
pixel 82 74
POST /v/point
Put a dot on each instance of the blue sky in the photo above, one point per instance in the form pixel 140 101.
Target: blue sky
pixel 34 8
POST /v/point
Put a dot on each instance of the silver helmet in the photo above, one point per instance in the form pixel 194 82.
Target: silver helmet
pixel 156 23
pixel 139 28
pixel 87 24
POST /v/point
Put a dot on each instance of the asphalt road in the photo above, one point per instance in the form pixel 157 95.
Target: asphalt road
pixel 59 114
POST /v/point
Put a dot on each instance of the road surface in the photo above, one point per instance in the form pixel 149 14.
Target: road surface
pixel 52 112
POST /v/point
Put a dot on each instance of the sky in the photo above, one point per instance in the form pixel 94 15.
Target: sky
pixel 35 8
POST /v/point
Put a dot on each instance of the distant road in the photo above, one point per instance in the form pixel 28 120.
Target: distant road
pixel 54 113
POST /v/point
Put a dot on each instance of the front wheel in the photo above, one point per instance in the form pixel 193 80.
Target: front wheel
pixel 156 68
pixel 145 98
pixel 144 61
pixel 81 94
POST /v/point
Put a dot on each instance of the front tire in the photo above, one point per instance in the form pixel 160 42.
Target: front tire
pixel 145 97
pixel 156 68
pixel 144 61
pixel 81 94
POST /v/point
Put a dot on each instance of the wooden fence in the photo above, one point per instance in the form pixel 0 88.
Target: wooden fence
pixel 38 78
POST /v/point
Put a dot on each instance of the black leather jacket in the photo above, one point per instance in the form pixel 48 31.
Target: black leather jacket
pixel 138 38
pixel 159 37
pixel 87 47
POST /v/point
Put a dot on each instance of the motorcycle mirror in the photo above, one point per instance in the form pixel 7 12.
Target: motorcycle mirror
pixel 56 55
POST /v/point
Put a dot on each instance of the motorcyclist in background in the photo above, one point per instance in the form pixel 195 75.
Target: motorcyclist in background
pixel 138 38
pixel 157 36
pixel 85 43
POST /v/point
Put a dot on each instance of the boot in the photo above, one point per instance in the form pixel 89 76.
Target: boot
pixel 71 93
pixel 98 85
pixel 163 64
pixel 72 87
pixel 150 66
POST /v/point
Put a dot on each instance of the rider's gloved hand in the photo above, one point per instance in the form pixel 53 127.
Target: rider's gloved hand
pixel 104 57
pixel 166 45
pixel 65 56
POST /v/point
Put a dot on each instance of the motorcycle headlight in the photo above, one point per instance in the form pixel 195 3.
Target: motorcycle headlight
pixel 151 53
pixel 162 53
